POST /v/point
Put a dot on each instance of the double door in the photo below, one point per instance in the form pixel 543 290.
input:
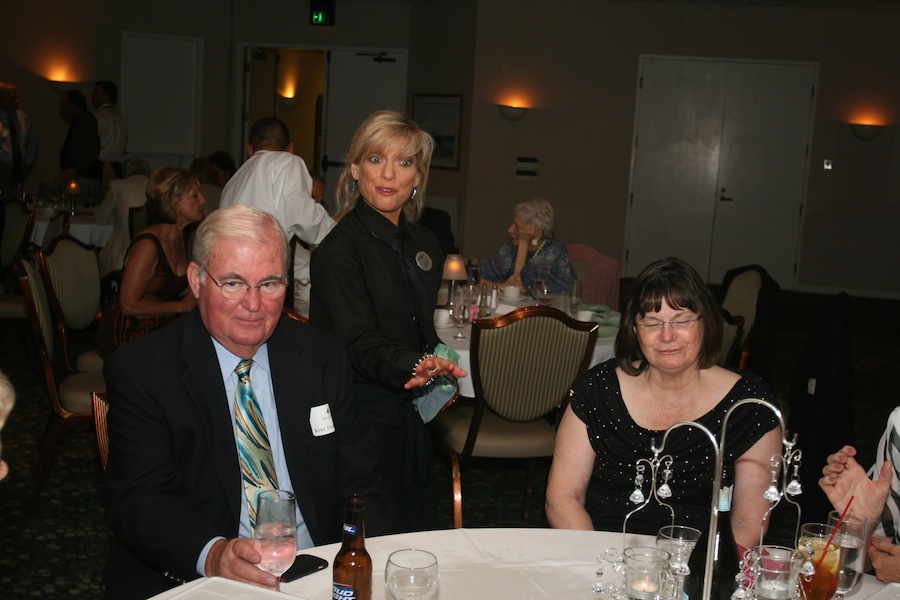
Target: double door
pixel 719 165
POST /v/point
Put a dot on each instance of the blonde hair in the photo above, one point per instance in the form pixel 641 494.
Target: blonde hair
pixel 380 129
pixel 166 185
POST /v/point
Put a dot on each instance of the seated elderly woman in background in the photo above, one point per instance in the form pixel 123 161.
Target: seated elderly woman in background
pixel 131 191
pixel 664 372
pixel 154 282
pixel 7 399
pixel 532 249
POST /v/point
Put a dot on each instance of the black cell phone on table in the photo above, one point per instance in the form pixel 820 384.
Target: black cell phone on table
pixel 304 564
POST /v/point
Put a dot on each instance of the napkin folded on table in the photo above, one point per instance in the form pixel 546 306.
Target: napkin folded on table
pixel 429 400
pixel 602 314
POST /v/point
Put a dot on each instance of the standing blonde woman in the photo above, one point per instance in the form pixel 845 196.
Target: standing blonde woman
pixel 376 278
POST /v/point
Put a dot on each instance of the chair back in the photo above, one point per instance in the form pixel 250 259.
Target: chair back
pixel 72 276
pixel 581 270
pixel 38 307
pixel 601 286
pixel 58 225
pixel 524 362
pixel 293 314
pixel 101 407
pixel 16 233
pixel 138 220
pixel 732 333
pixel 740 299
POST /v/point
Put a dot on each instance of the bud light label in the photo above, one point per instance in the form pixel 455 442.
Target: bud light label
pixel 340 591
pixel 349 529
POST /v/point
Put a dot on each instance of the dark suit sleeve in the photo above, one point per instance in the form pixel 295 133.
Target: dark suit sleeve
pixel 89 136
pixel 163 501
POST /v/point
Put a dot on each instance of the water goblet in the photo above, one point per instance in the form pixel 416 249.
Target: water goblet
pixel 275 536
pixel 411 575
pixel 851 538
pixel 679 541
pixel 819 573
pixel 576 296
pixel 459 312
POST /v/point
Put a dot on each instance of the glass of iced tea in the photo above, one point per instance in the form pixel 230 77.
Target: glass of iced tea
pixel 823 556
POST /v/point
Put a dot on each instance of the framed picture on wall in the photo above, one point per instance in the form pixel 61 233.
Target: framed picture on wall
pixel 439 115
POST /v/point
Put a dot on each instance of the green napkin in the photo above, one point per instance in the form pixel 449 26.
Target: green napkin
pixel 429 400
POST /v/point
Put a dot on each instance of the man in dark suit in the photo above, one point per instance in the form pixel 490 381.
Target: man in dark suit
pixel 79 154
pixel 175 496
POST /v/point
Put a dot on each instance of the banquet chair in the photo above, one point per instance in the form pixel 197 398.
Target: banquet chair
pixel 69 393
pixel 601 285
pixel 732 332
pixel 751 293
pixel 138 220
pixel 58 225
pixel 293 314
pixel 523 365
pixel 100 407
pixel 72 278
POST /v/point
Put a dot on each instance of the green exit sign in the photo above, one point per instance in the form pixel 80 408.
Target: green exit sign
pixel 321 12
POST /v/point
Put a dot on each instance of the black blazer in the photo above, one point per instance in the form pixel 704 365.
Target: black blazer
pixel 174 480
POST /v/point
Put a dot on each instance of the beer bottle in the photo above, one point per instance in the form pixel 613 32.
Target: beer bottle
pixel 726 562
pixel 352 572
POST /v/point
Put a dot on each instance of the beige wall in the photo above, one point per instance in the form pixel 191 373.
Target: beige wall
pixel 575 62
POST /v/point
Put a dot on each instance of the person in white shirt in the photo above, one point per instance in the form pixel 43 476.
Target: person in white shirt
pixel 110 124
pixel 278 181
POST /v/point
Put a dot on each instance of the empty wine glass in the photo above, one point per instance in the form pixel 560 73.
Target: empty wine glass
pixel 679 541
pixel 851 537
pixel 576 296
pixel 411 575
pixel 459 312
pixel 275 536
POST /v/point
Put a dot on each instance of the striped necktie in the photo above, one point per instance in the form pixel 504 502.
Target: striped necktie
pixel 257 464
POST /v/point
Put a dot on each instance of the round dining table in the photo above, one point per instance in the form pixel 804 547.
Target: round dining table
pixel 474 564
pixel 83 227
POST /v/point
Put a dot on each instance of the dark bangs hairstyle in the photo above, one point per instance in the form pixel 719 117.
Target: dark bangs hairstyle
pixel 676 282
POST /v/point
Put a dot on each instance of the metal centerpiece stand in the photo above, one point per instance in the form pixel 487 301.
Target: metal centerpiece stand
pixel 783 467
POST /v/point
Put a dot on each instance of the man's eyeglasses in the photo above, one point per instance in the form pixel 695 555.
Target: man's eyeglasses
pixel 657 325
pixel 236 289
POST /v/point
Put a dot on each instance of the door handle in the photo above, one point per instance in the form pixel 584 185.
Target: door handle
pixel 725 199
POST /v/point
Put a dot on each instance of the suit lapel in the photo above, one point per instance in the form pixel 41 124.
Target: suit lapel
pixel 203 379
pixel 291 382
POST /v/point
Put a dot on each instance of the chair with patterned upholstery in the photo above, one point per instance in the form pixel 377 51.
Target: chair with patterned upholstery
pixel 100 407
pixel 69 393
pixel 523 365
pixel 601 281
pixel 72 278
pixel 58 225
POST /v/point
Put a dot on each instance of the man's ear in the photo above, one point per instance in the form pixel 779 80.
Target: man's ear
pixel 193 275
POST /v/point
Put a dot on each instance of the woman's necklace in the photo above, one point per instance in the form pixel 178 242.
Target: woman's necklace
pixel 541 247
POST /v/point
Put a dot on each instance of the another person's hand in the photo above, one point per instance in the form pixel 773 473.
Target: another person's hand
pixel 885 558
pixel 845 478
pixel 527 234
pixel 237 559
pixel 515 280
pixel 187 303
pixel 433 367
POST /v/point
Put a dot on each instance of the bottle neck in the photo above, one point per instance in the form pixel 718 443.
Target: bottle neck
pixel 354 535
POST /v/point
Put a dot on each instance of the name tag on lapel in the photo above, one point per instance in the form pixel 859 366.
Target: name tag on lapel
pixel 320 420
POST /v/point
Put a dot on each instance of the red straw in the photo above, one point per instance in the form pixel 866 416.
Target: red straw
pixel 837 526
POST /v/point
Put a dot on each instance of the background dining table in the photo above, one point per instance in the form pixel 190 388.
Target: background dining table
pixel 83 227
pixel 477 564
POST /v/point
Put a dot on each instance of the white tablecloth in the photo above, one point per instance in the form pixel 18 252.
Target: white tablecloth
pixel 603 350
pixel 475 564
pixel 81 227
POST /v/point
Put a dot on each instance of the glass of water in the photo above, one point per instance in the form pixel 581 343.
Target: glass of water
pixel 411 575
pixel 851 538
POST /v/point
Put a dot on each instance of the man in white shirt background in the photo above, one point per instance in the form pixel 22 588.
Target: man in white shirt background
pixel 276 180
pixel 112 128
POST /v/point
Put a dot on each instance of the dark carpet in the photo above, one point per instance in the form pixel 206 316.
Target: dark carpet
pixel 58 550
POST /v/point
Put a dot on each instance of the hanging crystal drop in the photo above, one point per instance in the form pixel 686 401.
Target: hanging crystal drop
pixel 794 488
pixel 807 569
pixel 637 496
pixel 639 479
pixel 664 491
pixel 772 494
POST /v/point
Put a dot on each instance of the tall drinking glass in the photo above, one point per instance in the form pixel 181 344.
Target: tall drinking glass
pixel 275 535
pixel 819 575
pixel 851 537
pixel 576 296
pixel 679 541
pixel 460 311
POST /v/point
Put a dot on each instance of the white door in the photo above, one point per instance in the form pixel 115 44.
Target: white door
pixel 719 165
pixel 358 84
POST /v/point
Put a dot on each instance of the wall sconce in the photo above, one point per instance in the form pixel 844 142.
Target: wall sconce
pixel 454 270
pixel 62 86
pixel 866 132
pixel 290 102
pixel 512 113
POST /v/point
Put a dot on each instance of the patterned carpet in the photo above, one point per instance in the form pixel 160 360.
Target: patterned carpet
pixel 59 549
